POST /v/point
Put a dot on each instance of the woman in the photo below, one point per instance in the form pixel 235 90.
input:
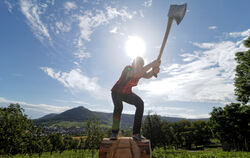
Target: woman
pixel 122 91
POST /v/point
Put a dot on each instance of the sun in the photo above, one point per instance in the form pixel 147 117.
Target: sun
pixel 135 46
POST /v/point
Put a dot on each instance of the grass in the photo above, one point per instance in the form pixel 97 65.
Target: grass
pixel 157 153
pixel 65 154
pixel 207 153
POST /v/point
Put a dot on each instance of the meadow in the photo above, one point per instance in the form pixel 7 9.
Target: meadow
pixel 157 153
pixel 207 153
pixel 65 154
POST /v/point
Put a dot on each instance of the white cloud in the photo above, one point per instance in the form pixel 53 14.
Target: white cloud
pixel 113 13
pixel 212 27
pixel 161 110
pixel 240 34
pixel 189 57
pixel 76 80
pixel 148 3
pixel 9 5
pixel 92 107
pixel 45 108
pixel 73 101
pixel 62 27
pixel 177 112
pixel 92 19
pixel 141 13
pixel 76 63
pixel 161 106
pixel 204 45
pixel 190 116
pixel 70 6
pixel 81 54
pixel 114 30
pixel 89 20
pixel 171 68
pixel 206 77
pixel 32 12
pixel 52 2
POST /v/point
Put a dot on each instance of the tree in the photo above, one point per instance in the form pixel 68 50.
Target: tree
pixel 15 130
pixel 231 126
pixel 242 76
pixel 187 135
pixel 183 134
pixel 168 134
pixel 34 141
pixel 56 141
pixel 94 135
pixel 41 143
pixel 201 133
pixel 75 144
pixel 152 130
pixel 68 141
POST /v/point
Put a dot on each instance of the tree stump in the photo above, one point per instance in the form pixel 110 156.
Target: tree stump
pixel 125 147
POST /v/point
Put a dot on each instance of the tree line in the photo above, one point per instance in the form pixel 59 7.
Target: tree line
pixel 228 126
pixel 231 124
pixel 181 134
pixel 19 135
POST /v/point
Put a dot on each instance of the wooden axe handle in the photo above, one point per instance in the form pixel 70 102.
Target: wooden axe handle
pixel 170 21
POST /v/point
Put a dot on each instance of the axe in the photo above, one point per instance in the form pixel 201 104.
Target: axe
pixel 176 12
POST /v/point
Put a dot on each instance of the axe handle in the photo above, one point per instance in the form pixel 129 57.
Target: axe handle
pixel 170 21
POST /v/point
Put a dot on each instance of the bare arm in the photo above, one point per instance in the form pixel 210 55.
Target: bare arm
pixel 155 69
pixel 151 73
pixel 139 74
pixel 144 70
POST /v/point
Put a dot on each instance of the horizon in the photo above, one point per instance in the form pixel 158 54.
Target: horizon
pixel 111 113
pixel 57 55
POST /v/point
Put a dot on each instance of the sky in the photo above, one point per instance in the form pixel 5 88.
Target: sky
pixel 57 55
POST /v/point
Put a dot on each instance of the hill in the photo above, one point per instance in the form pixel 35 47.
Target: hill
pixel 79 115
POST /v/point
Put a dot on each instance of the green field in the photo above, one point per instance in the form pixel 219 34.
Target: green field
pixel 207 153
pixel 65 154
pixel 157 153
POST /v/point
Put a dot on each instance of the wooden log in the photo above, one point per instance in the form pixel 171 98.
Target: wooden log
pixel 125 147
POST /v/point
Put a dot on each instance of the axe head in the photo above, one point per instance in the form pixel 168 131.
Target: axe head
pixel 177 12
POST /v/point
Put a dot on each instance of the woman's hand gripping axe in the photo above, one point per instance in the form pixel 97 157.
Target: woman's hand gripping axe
pixel 176 12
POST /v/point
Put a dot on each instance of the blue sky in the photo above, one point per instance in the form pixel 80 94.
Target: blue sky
pixel 56 55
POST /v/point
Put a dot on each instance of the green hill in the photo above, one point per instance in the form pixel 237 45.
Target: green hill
pixel 79 115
